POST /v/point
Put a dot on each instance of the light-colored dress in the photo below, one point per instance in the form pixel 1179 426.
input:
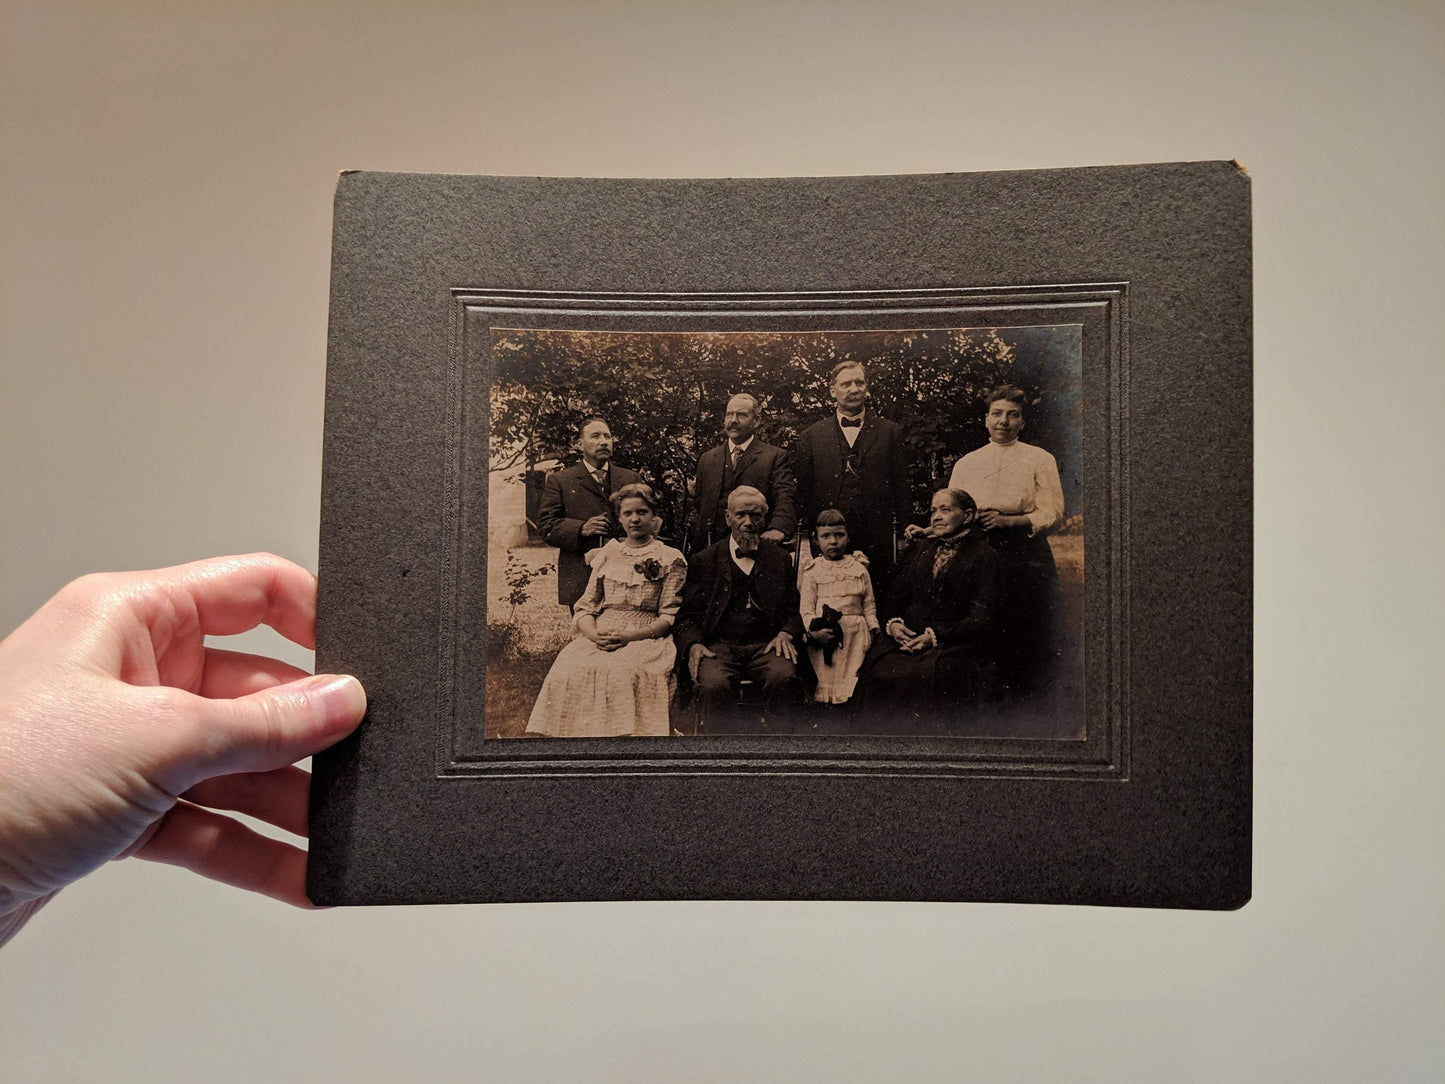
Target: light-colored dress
pixel 591 693
pixel 845 585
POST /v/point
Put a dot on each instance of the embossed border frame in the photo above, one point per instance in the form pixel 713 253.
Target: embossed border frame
pixel 397 817
pixel 1101 309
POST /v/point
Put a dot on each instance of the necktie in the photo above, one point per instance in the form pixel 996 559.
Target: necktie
pixel 734 454
pixel 850 423
pixel 601 477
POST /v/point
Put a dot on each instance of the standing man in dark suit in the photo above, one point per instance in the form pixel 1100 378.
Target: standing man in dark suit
pixel 743 460
pixel 853 461
pixel 739 619
pixel 575 515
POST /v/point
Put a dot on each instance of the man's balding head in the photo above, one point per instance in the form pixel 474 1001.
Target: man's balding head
pixel 747 496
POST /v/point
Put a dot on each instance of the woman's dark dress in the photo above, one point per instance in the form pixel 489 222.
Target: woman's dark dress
pixel 1027 643
pixel 938 688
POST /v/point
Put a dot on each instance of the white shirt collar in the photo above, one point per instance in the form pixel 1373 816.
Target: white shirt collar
pixel 743 446
pixel 862 416
pixel 737 558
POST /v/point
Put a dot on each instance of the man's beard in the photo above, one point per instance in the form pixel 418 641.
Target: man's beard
pixel 747 543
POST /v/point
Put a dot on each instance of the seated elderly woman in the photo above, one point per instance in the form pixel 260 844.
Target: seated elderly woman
pixel 935 661
pixel 617 678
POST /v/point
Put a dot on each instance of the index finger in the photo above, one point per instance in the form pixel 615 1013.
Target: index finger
pixel 227 595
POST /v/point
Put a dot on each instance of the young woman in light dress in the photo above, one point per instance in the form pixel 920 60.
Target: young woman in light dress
pixel 1020 501
pixel 838 579
pixel 616 678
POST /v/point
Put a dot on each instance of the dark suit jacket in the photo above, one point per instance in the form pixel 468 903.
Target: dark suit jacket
pixel 883 481
pixel 570 497
pixel 709 587
pixel 763 467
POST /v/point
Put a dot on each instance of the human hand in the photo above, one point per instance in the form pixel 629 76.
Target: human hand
pixel 695 655
pixel 782 644
pixel 991 520
pixel 119 726
pixel 609 641
pixel 773 535
pixel 595 527
pixel 922 642
pixel 901 633
pixel 913 532
pixel 822 637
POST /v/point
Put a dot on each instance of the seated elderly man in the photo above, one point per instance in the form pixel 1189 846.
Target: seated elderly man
pixel 739 620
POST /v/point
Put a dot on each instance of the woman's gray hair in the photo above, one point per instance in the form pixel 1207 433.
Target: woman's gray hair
pixel 962 499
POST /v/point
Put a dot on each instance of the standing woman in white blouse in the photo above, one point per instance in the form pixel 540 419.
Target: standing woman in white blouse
pixel 1020 500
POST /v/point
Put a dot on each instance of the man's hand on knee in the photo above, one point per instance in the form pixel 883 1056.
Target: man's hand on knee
pixel 695 655
pixel 782 645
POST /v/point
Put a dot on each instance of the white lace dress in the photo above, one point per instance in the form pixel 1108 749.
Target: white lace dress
pixel 845 585
pixel 591 693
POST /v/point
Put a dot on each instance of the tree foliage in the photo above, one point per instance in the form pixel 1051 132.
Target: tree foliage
pixel 663 394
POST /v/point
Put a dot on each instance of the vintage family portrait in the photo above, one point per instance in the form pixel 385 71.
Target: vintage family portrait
pixel 828 533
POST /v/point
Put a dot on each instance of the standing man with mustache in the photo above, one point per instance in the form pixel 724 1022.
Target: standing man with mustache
pixel 743 460
pixel 740 619
pixel 576 514
pixel 853 461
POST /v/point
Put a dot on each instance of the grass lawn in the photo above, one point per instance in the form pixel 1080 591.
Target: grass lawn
pixel 512 687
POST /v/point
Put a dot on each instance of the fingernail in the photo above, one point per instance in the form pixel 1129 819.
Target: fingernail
pixel 340 696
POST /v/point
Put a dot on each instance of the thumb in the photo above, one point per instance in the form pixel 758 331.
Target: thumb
pixel 267 729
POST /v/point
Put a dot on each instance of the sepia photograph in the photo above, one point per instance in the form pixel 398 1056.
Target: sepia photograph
pixel 792 533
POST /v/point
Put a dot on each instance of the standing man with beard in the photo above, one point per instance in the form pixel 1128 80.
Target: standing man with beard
pixel 853 461
pixel 743 460
pixel 739 619
pixel 576 514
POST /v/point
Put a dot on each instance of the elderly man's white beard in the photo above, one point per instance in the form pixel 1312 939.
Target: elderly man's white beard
pixel 747 543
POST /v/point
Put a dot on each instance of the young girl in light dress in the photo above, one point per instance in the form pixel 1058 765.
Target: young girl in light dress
pixel 838 580
pixel 617 678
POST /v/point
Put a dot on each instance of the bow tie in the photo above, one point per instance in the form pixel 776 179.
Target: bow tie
pixel 850 423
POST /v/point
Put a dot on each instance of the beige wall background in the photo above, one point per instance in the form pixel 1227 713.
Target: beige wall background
pixel 167 173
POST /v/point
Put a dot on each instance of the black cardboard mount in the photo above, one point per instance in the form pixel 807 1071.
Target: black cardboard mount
pixel 1152 809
